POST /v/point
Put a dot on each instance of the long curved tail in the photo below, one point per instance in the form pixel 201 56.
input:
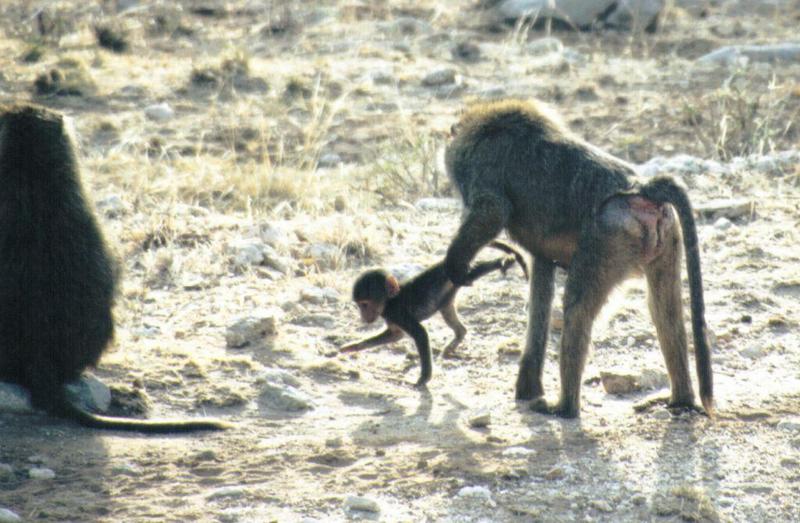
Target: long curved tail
pixel 667 189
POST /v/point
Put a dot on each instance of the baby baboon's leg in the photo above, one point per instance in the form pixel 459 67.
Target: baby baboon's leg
pixel 529 379
pixel 664 299
pixel 450 316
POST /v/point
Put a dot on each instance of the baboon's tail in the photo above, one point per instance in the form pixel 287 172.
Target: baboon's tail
pixel 512 250
pixel 666 189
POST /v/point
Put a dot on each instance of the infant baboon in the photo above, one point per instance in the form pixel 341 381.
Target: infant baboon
pixel 404 307
pixel 572 205
pixel 57 278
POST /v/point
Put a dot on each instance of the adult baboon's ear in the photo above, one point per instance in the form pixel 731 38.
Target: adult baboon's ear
pixel 392 286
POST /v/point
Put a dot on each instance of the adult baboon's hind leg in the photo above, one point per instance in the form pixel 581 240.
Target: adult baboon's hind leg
pixel 529 379
pixel 664 300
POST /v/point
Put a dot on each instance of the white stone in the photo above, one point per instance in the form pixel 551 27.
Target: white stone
pixel 6 516
pixel 251 329
pixel 159 112
pixel 41 473
pixel 743 54
pixel 516 452
pixel 438 204
pixel 230 492
pixel 480 419
pixel 791 425
pixel 90 392
pixel 546 45
pixel 361 503
pixel 440 77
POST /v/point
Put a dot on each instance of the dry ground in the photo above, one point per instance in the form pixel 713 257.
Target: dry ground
pixel 267 98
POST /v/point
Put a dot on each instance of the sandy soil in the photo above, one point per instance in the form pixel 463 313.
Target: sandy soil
pixel 342 81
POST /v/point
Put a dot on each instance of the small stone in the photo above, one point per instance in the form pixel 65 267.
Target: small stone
pixel 246 252
pixel 662 414
pixel 112 206
pixel 251 329
pixel 480 419
pixel 91 393
pixel 126 469
pixel 329 160
pixel 438 204
pixel 440 77
pixel 639 500
pixel 323 320
pixel 159 112
pixel 41 473
pixel 280 390
pixel 726 208
pixel 6 472
pixel 602 505
pixel 752 352
pixel 14 398
pixel 723 224
pixel 790 425
pixel 555 473
pixel 6 516
pixel 542 46
pixel 318 296
pixel 334 443
pixel 339 203
pixel 230 492
pixel 518 452
pixel 478 492
pixel 466 51
pixel 619 383
pixel 653 379
pixel 363 504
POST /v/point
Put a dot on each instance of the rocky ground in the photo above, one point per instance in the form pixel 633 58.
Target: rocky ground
pixel 248 159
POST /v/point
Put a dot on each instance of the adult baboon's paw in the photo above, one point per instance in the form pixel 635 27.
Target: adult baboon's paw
pixel 541 406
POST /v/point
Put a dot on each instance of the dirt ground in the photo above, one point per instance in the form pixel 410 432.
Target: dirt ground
pixel 315 127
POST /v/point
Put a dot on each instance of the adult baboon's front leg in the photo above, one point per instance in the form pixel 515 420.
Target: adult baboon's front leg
pixel 486 214
pixel 529 379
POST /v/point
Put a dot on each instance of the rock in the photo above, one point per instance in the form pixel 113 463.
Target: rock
pixel 742 54
pixel 752 352
pixel 438 204
pixel 318 296
pixel 246 252
pixel 466 52
pixel 159 112
pixel 555 473
pixel 405 271
pixel 279 390
pixel 112 206
pixel 619 383
pixel 6 516
pixel 329 160
pixel 653 379
pixel 542 46
pixel 662 414
pixel 683 165
pixel 477 492
pixel 440 77
pixel 480 419
pixel 406 25
pixel 270 234
pixel 726 208
pixel 601 505
pixel 41 473
pixel 790 425
pixel 625 14
pixel 251 329
pixel 14 398
pixel 6 472
pixel 273 260
pixel 723 224
pixel 90 393
pixel 316 320
pixel 325 255
pixel 518 452
pixel 229 492
pixel 362 504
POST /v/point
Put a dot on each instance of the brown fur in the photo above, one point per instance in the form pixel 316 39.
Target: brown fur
pixel 572 205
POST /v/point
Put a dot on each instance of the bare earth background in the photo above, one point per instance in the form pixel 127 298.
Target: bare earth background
pixel 248 157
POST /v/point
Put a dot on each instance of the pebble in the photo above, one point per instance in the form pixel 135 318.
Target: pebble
pixel 662 414
pixel 478 492
pixel 159 112
pixel 438 204
pixel 518 452
pixel 6 516
pixel 752 352
pixel 230 492
pixel 619 383
pixel 726 208
pixel 318 295
pixel 790 425
pixel 723 224
pixel 652 379
pixel 542 46
pixel 112 206
pixel 480 419
pixel 279 390
pixel 555 473
pixel 440 77
pixel 602 505
pixel 6 472
pixel 251 329
pixel 466 51
pixel 329 160
pixel 14 398
pixel 41 473
pixel 91 393
pixel 363 504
